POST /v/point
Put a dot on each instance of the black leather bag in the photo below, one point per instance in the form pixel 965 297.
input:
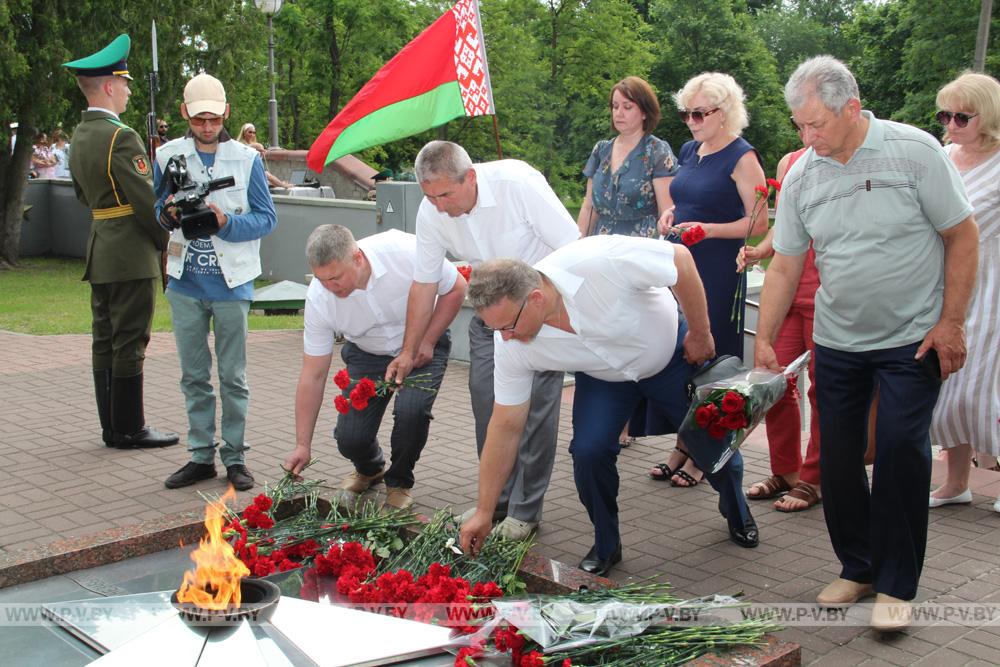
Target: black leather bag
pixel 720 368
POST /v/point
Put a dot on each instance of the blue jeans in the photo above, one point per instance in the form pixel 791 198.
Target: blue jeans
pixel 600 409
pixel 192 319
pixel 356 432
pixel 880 533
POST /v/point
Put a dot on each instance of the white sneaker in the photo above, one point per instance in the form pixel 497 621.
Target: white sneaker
pixel 996 506
pixel 964 498
pixel 467 514
pixel 515 529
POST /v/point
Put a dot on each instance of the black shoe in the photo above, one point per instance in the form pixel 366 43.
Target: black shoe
pixel 239 476
pixel 746 535
pixel 144 438
pixel 191 472
pixel 600 566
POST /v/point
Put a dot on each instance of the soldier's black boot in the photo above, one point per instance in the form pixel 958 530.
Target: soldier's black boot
pixel 102 391
pixel 127 419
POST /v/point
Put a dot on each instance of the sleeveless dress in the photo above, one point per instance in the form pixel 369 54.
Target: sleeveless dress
pixel 704 191
pixel 624 202
pixel 968 408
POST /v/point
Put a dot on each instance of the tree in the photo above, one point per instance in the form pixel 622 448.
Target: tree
pixel 32 93
pixel 717 35
pixel 800 29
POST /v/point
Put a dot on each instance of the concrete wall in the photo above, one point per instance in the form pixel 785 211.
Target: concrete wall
pixel 58 224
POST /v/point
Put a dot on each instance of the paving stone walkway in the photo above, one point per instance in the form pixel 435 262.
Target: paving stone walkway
pixel 59 481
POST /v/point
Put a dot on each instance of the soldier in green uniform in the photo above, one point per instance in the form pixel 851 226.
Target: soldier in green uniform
pixel 112 175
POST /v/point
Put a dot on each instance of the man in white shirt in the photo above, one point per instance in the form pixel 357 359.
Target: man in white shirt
pixel 476 213
pixel 359 289
pixel 589 307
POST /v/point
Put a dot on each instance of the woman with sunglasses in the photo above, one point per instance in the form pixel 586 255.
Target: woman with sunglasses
pixel 248 134
pixel 966 413
pixel 714 189
pixel 628 176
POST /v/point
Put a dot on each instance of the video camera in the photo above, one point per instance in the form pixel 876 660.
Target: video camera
pixel 195 217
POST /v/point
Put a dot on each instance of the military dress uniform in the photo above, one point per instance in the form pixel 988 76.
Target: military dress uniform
pixel 112 175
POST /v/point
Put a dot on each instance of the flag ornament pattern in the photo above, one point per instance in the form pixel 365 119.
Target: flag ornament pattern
pixel 441 75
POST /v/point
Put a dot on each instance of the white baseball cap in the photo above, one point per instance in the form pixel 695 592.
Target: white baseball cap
pixel 205 94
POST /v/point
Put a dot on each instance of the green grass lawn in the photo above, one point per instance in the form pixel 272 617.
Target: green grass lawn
pixel 44 295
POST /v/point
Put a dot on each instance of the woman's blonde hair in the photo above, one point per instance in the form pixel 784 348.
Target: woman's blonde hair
pixel 976 93
pixel 243 132
pixel 723 92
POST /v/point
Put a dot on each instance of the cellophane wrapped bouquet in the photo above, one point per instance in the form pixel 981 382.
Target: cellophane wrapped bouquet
pixel 723 413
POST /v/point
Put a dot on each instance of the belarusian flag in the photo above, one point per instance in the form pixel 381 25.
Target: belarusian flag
pixel 440 75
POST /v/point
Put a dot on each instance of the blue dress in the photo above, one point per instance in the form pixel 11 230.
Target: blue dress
pixel 704 191
pixel 624 201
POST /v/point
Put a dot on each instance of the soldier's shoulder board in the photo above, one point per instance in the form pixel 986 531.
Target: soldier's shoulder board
pixel 141 165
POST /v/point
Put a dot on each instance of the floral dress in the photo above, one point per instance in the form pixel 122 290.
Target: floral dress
pixel 624 201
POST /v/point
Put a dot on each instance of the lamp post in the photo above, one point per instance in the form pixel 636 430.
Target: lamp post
pixel 270 8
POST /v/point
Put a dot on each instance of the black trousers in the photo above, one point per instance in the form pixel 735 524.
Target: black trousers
pixel 879 533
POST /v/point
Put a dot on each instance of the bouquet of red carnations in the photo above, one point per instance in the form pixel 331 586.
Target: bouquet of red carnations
pixel 723 413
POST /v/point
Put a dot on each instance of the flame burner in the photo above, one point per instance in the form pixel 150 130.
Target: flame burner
pixel 258 601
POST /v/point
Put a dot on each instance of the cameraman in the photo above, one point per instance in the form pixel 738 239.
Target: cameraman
pixel 211 279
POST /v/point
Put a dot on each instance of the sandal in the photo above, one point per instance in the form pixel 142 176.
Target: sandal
pixel 802 491
pixel 628 442
pixel 662 472
pixel 772 487
pixel 689 479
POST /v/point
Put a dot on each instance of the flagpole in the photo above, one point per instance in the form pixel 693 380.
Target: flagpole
pixel 496 136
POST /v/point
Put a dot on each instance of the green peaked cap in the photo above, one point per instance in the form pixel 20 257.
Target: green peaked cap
pixel 109 61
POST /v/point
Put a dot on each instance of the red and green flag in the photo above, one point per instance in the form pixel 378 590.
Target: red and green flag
pixel 440 75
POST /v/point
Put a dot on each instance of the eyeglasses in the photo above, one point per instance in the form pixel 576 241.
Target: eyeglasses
pixel 251 131
pixel 197 121
pixel 696 115
pixel 961 119
pixel 516 319
pixel 794 124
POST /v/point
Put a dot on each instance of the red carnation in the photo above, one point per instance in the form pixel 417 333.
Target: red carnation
pixel 262 502
pixel 533 659
pixel 359 403
pixel 466 271
pixel 263 567
pixel 693 235
pixel 774 184
pixel 342 405
pixel 342 379
pixel 761 191
pixel 733 402
pixel 704 415
pixel 367 387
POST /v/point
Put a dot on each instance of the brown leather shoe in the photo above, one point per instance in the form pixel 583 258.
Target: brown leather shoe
pixel 891 614
pixel 398 497
pixel 355 482
pixel 843 593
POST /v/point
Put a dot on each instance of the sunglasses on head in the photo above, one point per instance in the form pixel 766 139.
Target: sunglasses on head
pixel 695 115
pixel 961 119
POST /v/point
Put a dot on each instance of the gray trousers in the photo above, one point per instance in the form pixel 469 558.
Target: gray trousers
pixel 524 491
pixel 356 432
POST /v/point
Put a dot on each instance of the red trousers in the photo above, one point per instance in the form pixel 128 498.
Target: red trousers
pixel 783 421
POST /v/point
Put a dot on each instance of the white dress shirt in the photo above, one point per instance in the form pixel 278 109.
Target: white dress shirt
pixel 372 318
pixel 516 215
pixel 615 289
